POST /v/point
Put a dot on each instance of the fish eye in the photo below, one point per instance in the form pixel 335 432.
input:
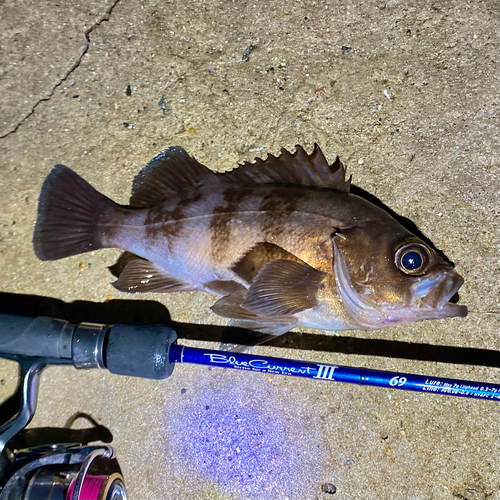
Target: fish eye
pixel 413 259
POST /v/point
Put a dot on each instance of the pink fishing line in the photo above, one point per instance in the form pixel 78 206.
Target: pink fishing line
pixel 90 488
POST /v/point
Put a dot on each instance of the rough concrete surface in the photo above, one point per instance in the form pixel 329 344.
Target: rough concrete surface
pixel 405 92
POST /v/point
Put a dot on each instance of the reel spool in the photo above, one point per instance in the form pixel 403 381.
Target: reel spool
pixel 40 470
pixel 65 472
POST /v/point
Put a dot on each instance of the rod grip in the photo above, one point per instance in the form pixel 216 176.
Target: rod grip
pixel 140 351
pixel 41 337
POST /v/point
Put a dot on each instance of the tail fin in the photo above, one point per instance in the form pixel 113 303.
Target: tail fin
pixel 69 213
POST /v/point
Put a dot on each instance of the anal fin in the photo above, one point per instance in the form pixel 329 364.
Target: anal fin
pixel 142 275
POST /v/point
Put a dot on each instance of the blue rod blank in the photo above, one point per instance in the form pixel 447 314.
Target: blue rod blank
pixel 335 373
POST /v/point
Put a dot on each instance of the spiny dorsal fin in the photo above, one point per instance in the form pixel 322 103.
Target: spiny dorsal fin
pixel 168 173
pixel 298 168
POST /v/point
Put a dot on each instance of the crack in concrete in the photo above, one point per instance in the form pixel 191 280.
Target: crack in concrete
pixel 84 50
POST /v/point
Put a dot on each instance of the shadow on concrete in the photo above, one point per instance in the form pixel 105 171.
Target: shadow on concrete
pixel 46 436
pixel 148 312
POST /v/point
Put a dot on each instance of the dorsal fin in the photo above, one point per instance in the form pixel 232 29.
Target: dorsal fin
pixel 168 173
pixel 174 170
pixel 298 168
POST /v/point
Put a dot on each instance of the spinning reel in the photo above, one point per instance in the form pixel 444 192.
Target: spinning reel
pixel 52 463
pixel 60 464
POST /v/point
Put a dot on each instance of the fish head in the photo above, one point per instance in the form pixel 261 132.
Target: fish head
pixel 385 275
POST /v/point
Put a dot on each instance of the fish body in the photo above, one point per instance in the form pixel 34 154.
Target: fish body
pixel 282 241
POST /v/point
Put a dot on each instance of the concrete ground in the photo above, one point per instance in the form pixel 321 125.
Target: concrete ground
pixel 405 92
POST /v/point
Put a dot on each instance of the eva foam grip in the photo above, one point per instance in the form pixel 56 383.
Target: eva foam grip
pixel 140 350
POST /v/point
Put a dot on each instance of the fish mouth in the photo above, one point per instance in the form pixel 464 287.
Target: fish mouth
pixel 439 297
pixel 451 310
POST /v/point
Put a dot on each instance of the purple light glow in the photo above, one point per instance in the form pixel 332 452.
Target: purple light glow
pixel 240 438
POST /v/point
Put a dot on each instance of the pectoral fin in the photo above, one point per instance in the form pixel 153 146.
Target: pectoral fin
pixel 231 307
pixel 283 288
pixel 144 276
pixel 257 257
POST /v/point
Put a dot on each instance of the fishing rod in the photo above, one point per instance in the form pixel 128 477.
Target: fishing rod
pixel 151 352
pixel 335 373
pixel 82 471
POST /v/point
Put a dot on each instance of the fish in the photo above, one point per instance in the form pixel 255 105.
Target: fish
pixel 282 242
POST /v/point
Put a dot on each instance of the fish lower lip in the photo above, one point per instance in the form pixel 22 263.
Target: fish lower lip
pixel 455 310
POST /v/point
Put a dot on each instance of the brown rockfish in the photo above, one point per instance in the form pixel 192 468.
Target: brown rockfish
pixel 281 241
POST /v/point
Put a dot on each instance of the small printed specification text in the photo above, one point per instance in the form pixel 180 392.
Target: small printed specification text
pixel 438 386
